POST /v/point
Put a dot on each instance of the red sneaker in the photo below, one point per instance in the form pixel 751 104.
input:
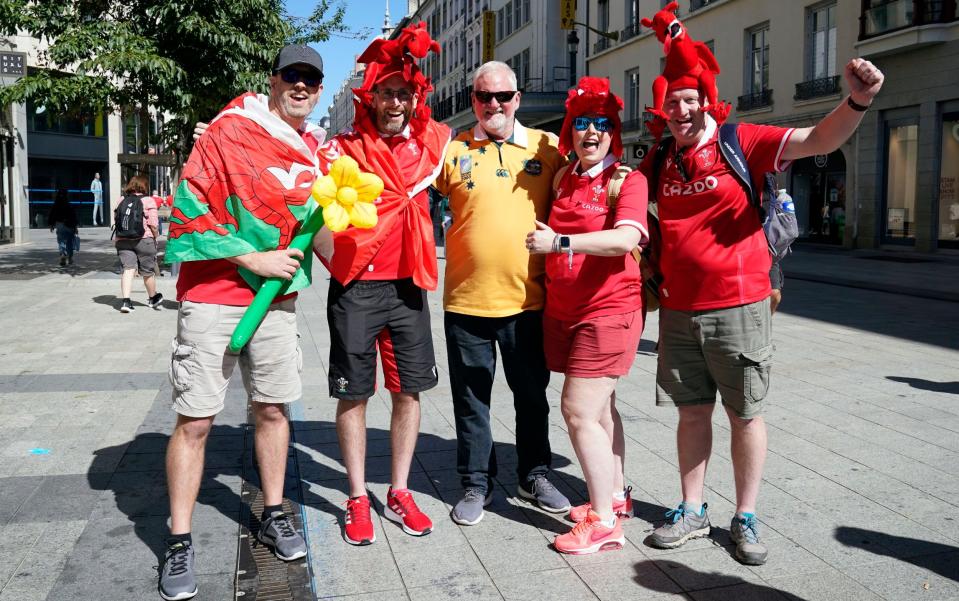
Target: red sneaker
pixel 622 509
pixel 401 509
pixel 590 536
pixel 359 524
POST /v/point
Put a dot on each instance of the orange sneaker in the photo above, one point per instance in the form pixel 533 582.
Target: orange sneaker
pixel 590 536
pixel 623 509
pixel 402 509
pixel 359 525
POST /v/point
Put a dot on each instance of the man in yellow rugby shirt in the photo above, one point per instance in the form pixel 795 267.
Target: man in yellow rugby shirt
pixel 498 177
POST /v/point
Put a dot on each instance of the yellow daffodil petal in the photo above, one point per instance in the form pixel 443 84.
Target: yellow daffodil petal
pixel 346 196
pixel 335 217
pixel 369 188
pixel 345 172
pixel 363 215
pixel 324 190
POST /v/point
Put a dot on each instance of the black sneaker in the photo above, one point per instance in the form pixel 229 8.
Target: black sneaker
pixel 63 260
pixel 278 532
pixel 177 581
pixel 154 301
pixel 126 306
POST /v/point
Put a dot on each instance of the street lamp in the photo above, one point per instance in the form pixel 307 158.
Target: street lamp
pixel 572 44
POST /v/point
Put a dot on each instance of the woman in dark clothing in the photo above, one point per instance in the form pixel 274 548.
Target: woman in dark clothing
pixel 64 219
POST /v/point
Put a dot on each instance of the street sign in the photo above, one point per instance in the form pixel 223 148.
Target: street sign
pixel 13 63
pixel 567 13
pixel 639 151
pixel 489 35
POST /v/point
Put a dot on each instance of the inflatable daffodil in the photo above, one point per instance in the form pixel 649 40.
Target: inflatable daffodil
pixel 347 194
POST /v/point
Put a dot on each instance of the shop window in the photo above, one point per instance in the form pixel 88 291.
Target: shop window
pixel 949 183
pixel 902 143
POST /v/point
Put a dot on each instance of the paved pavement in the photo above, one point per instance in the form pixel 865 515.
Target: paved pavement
pixel 859 500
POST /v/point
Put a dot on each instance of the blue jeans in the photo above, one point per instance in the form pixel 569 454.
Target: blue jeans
pixel 471 349
pixel 66 239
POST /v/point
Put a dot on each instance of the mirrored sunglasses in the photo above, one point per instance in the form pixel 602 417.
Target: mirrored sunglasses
pixel 600 124
pixel 309 78
pixel 501 97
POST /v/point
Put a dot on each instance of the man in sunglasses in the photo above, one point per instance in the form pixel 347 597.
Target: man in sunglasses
pixel 244 194
pixel 498 177
pixel 715 322
pixel 377 297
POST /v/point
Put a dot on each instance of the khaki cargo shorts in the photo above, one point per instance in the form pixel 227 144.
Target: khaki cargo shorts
pixel 724 350
pixel 201 366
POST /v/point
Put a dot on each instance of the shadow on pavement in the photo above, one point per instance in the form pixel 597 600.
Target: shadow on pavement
pixel 935 557
pixel 721 586
pixel 138 481
pixel 946 387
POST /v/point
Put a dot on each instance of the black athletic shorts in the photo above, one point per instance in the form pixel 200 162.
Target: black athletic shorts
pixel 389 315
pixel 776 277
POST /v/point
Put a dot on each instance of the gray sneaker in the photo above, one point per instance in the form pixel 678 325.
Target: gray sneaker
pixel 469 510
pixel 684 525
pixel 177 580
pixel 745 533
pixel 278 532
pixel 541 491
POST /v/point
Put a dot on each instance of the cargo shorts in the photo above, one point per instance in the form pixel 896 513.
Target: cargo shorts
pixel 725 350
pixel 201 365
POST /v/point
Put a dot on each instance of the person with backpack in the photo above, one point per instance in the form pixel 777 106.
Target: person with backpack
pixel 594 312
pixel 136 229
pixel 714 258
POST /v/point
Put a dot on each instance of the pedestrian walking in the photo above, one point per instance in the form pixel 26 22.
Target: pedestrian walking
pixel 498 177
pixel 594 312
pixel 63 218
pixel 259 152
pixel 135 228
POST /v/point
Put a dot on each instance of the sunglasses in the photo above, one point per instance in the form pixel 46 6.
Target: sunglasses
pixel 310 79
pixel 403 95
pixel 501 97
pixel 600 124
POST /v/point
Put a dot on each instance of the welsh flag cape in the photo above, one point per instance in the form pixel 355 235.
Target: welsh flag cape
pixel 354 248
pixel 245 188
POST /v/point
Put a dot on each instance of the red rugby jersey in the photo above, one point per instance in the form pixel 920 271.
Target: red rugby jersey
pixel 714 253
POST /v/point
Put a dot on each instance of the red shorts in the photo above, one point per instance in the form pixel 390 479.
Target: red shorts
pixel 595 347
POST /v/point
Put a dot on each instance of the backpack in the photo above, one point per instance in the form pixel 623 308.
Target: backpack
pixel 650 281
pixel 779 225
pixel 128 218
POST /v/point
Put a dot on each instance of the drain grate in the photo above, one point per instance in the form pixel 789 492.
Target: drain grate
pixel 259 574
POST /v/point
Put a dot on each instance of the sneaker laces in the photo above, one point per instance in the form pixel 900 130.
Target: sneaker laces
pixel 176 557
pixel 358 510
pixel 405 500
pixel 677 514
pixel 586 525
pixel 474 494
pixel 283 525
pixel 749 528
pixel 542 485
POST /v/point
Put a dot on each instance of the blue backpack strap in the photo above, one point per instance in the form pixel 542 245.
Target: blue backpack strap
pixel 733 153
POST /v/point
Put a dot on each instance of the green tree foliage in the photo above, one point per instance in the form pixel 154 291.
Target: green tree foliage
pixel 187 58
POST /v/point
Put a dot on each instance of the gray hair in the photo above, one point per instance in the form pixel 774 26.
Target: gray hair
pixel 491 66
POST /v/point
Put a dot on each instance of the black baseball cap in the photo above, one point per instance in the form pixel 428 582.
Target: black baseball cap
pixel 298 54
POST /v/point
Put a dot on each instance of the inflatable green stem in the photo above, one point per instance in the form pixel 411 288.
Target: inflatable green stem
pixel 255 313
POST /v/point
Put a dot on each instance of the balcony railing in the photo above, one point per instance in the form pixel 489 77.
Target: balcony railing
pixel 637 124
pixel 601 45
pixel 825 86
pixel 879 17
pixel 758 100
pixel 632 30
pixel 698 4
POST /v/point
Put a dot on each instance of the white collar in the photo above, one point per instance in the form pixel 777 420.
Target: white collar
pixel 708 133
pixel 598 168
pixel 519 138
pixel 403 134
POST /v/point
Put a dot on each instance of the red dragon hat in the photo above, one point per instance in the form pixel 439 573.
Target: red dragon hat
pixel 592 95
pixel 385 58
pixel 689 65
